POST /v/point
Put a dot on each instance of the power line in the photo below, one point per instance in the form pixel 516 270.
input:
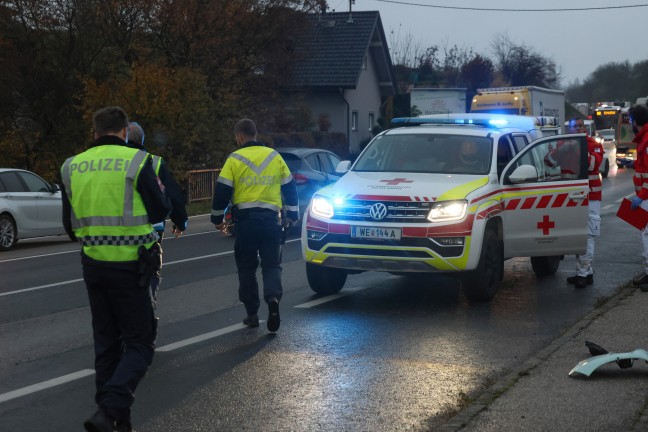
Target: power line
pixel 513 10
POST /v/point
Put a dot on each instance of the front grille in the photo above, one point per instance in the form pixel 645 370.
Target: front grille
pixel 397 211
pixel 419 242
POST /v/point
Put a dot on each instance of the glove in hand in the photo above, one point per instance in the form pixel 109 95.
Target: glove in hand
pixel 635 202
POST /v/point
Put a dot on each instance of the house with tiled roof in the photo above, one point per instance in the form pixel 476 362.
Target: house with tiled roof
pixel 344 72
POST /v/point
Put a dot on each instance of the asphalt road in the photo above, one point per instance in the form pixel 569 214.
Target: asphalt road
pixel 388 353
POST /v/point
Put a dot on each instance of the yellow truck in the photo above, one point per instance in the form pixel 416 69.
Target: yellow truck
pixel 522 100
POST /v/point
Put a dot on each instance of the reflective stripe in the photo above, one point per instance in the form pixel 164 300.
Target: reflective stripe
pixel 257 204
pixel 644 175
pixel 593 177
pixel 157 163
pixel 291 208
pixel 107 240
pixel 217 212
pixel 225 181
pixel 287 179
pixel 258 170
pixel 596 189
pixel 112 221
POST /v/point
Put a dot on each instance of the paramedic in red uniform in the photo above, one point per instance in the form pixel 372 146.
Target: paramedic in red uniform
pixel 569 169
pixel 639 119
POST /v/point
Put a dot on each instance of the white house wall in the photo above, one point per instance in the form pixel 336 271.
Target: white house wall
pixel 364 99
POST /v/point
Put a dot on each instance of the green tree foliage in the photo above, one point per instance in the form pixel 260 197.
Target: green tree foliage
pixel 612 82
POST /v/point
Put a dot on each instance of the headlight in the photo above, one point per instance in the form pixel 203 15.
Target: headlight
pixel 322 207
pixel 447 211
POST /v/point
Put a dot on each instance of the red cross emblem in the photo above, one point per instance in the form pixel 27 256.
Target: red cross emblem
pixel 546 225
pixel 396 181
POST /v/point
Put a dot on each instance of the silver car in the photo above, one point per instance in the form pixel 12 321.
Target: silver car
pixel 607 139
pixel 29 207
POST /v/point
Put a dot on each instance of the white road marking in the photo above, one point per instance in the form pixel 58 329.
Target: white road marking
pixel 202 337
pixel 45 385
pixel 329 298
pixel 4 397
pixel 81 280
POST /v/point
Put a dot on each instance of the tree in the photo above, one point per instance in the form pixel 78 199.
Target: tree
pixel 522 65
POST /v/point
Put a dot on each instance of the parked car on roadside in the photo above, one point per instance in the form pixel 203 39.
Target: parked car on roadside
pixel 29 207
pixel 608 140
pixel 312 169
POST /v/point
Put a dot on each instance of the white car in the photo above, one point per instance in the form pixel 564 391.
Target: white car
pixel 407 205
pixel 607 138
pixel 29 207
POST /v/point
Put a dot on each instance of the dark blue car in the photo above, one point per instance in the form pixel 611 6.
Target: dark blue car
pixel 312 169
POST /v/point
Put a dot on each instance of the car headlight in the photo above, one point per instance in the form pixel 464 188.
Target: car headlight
pixel 321 206
pixel 447 211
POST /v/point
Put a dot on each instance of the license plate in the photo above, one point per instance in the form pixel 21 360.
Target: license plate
pixel 374 233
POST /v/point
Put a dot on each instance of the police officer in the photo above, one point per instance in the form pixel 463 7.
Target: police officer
pixel 173 192
pixel 254 178
pixel 110 195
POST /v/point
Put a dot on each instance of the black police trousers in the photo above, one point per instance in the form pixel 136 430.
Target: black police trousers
pixel 124 330
pixel 258 235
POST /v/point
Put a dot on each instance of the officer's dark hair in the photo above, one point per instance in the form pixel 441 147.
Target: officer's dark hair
pixel 639 114
pixel 109 120
pixel 246 127
pixel 136 134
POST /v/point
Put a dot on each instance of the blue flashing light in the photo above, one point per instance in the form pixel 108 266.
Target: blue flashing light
pixel 498 122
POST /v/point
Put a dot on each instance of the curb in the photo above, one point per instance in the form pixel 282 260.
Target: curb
pixel 499 388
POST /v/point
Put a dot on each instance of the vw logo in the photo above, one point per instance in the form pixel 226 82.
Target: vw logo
pixel 378 211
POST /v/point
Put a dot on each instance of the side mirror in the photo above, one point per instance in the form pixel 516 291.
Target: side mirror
pixel 523 174
pixel 55 187
pixel 343 167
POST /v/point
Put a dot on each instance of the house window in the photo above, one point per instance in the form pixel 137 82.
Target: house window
pixel 371 120
pixel 354 120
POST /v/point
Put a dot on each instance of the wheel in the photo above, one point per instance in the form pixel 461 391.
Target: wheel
pixel 545 265
pixel 8 233
pixel 325 280
pixel 480 285
pixel 606 169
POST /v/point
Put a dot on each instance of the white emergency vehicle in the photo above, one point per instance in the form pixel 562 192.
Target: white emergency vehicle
pixel 415 202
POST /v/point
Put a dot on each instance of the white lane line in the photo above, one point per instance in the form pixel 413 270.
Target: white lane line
pixel 327 299
pixel 45 385
pixel 319 301
pixel 87 372
pixel 81 280
pixel 202 337
pixel 40 287
pixel 4 397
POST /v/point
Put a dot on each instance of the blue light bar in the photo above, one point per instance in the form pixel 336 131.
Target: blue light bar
pixel 415 121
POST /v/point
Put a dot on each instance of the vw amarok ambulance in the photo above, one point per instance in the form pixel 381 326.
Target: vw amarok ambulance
pixel 451 194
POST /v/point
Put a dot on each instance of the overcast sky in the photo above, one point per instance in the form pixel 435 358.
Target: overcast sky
pixel 578 41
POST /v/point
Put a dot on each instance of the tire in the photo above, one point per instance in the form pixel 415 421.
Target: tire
pixel 606 170
pixel 545 265
pixel 325 280
pixel 8 232
pixel 481 284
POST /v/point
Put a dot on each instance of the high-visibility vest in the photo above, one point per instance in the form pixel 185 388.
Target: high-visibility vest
pixel 256 174
pixel 108 214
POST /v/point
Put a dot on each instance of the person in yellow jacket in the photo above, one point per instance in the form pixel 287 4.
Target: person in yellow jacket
pixel 110 196
pixel 255 178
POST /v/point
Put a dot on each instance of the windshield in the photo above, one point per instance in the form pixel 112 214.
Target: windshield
pixel 607 134
pixel 427 153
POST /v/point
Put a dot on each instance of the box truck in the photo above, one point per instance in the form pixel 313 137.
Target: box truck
pixel 523 100
pixel 424 101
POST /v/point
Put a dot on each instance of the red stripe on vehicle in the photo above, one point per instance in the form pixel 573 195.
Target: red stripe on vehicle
pixel 560 199
pixel 544 201
pixel 528 203
pixel 512 204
